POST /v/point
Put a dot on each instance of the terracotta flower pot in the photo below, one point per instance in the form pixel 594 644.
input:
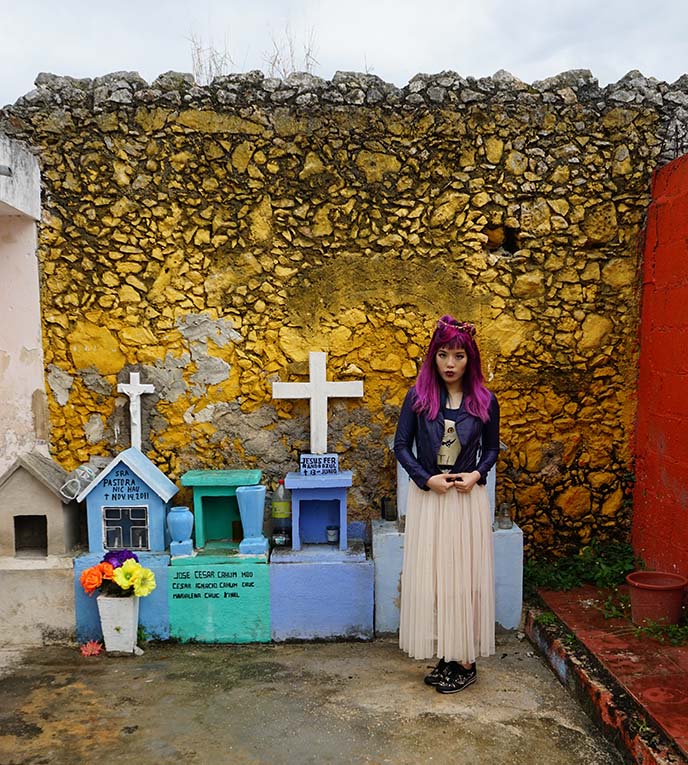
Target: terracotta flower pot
pixel 656 596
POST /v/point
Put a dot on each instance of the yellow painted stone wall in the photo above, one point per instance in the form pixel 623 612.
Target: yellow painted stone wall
pixel 210 237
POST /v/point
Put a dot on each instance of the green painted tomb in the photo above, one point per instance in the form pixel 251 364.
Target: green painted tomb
pixel 220 597
pixel 216 512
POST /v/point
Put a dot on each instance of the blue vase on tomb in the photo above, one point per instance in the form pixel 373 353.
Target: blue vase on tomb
pixel 180 524
pixel 251 501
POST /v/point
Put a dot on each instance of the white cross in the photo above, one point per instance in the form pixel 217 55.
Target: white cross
pixel 318 390
pixel 134 388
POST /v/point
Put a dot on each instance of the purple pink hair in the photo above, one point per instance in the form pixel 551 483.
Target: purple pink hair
pixel 451 334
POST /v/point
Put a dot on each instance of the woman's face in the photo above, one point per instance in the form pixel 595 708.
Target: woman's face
pixel 451 364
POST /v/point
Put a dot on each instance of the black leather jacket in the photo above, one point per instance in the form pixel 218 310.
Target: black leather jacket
pixel 479 440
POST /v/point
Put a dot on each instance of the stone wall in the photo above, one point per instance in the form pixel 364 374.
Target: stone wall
pixel 210 237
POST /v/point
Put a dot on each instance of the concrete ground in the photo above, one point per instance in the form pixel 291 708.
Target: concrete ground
pixel 286 703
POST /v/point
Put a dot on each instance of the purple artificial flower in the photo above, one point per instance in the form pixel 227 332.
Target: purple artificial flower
pixel 117 557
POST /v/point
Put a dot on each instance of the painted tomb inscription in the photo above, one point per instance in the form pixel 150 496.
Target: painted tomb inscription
pixel 211 584
pixel 220 602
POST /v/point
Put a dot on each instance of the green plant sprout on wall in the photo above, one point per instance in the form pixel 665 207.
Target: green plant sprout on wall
pixel 546 619
pixel 604 564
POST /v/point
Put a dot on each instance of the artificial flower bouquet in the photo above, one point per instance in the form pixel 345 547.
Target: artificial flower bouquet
pixel 119 575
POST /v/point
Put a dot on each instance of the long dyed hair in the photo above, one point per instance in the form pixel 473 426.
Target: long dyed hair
pixel 452 334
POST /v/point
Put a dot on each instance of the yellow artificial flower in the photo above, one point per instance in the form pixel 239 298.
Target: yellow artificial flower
pixel 127 574
pixel 145 583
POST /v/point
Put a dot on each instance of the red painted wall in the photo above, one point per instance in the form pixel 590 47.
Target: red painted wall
pixel 660 515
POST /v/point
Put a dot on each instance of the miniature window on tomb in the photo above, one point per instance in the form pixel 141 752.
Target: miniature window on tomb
pixel 30 536
pixel 126 528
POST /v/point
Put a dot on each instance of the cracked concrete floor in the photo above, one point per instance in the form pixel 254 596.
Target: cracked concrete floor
pixel 287 703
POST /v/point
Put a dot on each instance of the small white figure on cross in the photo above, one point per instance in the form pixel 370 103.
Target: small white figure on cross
pixel 318 390
pixel 134 389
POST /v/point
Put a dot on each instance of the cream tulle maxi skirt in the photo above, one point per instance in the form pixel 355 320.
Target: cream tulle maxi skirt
pixel 447 581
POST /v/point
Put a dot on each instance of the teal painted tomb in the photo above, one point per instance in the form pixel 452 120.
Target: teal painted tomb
pixel 215 507
pixel 219 599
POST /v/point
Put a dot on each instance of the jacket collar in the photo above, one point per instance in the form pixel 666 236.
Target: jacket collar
pixel 443 399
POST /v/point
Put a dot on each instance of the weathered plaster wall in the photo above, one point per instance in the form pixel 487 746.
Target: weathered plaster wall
pixel 211 237
pixel 20 181
pixel 22 379
pixel 45 612
pixel 660 518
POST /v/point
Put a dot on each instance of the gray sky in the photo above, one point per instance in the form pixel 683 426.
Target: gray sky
pixel 393 39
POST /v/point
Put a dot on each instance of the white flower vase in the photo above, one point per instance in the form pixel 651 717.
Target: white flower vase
pixel 119 621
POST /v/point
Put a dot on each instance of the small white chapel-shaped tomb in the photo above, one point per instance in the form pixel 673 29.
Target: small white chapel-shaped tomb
pixel 37 520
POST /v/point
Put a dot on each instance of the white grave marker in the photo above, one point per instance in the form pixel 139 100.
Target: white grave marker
pixel 134 389
pixel 318 390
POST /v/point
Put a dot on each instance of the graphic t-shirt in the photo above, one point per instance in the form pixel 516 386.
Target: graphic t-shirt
pixel 450 446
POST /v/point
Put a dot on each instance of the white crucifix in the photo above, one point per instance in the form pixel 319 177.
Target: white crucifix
pixel 134 389
pixel 318 390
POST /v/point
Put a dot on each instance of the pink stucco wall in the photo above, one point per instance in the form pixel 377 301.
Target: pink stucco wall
pixel 21 352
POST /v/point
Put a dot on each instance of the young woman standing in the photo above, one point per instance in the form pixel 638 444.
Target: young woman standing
pixel 447 440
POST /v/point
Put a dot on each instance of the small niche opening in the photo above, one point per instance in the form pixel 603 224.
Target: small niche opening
pixel 315 516
pixel 511 243
pixel 502 238
pixel 222 520
pixel 31 536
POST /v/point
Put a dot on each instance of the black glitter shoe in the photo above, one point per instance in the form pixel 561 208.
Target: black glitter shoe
pixel 454 681
pixel 437 673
